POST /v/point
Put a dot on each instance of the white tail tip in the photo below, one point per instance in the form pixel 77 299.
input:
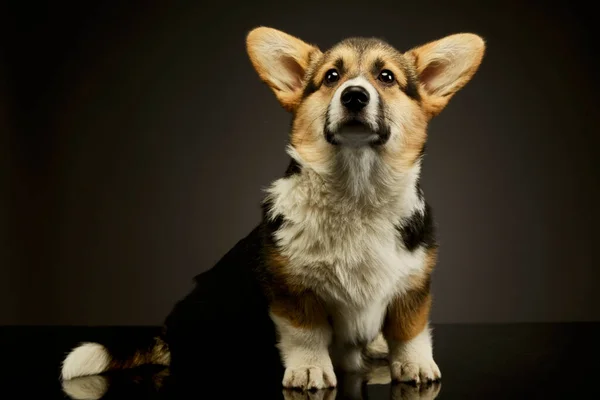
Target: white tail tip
pixel 86 359
pixel 378 348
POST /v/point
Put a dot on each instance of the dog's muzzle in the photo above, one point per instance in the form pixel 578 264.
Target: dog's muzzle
pixel 355 116
pixel 353 133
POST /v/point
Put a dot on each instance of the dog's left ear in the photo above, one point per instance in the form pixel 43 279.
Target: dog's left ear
pixel 446 65
pixel 281 61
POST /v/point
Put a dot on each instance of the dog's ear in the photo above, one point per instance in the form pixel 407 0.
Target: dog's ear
pixel 281 61
pixel 446 65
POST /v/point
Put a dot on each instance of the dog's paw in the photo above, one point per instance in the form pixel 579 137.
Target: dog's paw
pixel 417 371
pixel 403 391
pixel 308 377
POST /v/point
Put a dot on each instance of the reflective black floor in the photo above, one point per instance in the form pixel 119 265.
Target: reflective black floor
pixel 521 361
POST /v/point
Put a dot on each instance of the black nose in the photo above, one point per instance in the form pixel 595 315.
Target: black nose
pixel 355 98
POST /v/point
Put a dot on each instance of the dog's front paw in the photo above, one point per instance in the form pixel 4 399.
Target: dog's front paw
pixel 415 370
pixel 308 377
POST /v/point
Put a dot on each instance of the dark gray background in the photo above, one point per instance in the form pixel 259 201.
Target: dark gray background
pixel 139 140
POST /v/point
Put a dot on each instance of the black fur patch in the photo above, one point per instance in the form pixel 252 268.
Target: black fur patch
pixel 329 136
pixel 272 224
pixel 377 66
pixel 418 230
pixel 293 168
pixel 384 130
pixel 420 190
pixel 339 65
pixel 311 85
pixel 228 295
pixel 310 88
pixel 412 86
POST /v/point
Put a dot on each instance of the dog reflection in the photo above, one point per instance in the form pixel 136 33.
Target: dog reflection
pixel 154 384
pixel 142 383
pixel 399 391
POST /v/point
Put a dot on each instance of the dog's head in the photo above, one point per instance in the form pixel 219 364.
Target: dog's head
pixel 362 93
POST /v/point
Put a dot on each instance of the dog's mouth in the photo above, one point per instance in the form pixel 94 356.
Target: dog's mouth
pixel 354 133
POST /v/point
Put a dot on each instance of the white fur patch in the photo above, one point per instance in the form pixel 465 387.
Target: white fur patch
pixel 412 361
pixel 359 164
pixel 346 251
pixel 370 112
pixel 352 323
pixel 305 355
pixel 87 359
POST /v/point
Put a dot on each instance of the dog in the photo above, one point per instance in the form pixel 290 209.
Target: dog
pixel 344 254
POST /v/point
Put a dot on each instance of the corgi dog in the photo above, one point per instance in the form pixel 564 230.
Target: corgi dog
pixel 344 254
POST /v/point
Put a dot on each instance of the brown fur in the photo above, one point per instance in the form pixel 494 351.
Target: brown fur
pixel 302 310
pixel 304 141
pixel 289 299
pixel 408 314
pixel 158 355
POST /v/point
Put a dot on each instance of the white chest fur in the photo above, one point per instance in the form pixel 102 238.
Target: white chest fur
pixel 349 252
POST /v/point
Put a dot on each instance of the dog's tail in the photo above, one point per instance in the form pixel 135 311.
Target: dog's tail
pixel 91 358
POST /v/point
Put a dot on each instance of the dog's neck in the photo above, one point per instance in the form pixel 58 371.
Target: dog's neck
pixel 356 180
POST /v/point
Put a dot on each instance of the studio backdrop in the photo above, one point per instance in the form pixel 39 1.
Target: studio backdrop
pixel 140 140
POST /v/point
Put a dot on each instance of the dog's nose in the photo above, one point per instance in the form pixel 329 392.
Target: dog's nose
pixel 355 98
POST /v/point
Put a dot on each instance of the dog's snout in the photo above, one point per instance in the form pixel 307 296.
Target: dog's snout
pixel 355 98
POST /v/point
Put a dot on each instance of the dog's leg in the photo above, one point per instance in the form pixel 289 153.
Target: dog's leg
pixel 304 339
pixel 407 332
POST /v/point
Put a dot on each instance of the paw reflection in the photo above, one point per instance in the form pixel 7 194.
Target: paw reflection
pixel 379 374
pixel 404 391
pixel 322 394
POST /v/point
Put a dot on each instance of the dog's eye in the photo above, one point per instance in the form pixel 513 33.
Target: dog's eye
pixel 332 76
pixel 386 76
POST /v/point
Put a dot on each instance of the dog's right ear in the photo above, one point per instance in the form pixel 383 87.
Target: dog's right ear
pixel 281 61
